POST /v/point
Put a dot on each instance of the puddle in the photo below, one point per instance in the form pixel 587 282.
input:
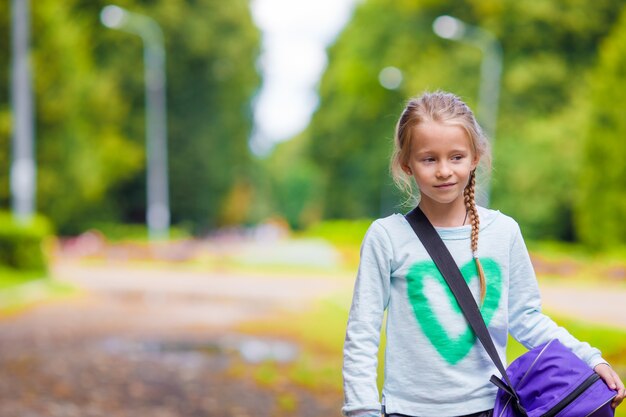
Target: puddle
pixel 251 349
pixel 256 350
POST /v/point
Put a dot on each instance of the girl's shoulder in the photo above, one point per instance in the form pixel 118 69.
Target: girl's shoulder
pixel 495 219
pixel 389 225
pixel 392 220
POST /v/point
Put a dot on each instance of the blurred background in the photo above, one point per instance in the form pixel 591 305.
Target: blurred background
pixel 186 184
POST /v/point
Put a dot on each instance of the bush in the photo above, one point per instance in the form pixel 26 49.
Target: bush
pixel 21 246
pixel 340 231
pixel 119 232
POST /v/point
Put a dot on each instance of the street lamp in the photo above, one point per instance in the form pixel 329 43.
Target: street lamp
pixel 449 27
pixel 23 168
pixel 158 211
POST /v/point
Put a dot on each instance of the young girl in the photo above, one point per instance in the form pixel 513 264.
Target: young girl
pixel 434 366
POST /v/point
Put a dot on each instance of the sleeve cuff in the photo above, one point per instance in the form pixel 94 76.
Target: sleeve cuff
pixel 362 413
pixel 597 361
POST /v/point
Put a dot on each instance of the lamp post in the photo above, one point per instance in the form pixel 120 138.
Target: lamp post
pixel 449 27
pixel 23 170
pixel 158 211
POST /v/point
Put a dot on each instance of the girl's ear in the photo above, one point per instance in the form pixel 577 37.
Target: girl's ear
pixel 407 170
pixel 475 161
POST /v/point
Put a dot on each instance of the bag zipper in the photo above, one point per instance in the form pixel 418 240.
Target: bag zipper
pixel 572 395
pixel 519 384
pixel 602 405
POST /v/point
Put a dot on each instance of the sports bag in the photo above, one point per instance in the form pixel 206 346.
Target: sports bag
pixel 547 381
pixel 550 380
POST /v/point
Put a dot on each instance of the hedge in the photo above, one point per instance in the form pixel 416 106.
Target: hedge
pixel 21 245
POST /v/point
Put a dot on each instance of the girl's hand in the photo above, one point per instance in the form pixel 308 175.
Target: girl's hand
pixel 611 379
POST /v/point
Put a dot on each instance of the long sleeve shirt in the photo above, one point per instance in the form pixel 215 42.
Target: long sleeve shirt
pixel 434 365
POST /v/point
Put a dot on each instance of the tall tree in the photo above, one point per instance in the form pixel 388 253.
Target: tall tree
pixel 601 208
pixel 82 149
pixel 213 47
pixel 547 46
pixel 89 94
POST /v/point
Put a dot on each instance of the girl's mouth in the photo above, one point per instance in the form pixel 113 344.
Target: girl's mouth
pixel 447 185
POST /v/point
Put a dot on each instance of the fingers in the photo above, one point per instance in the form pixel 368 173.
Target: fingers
pixel 613 381
pixel 621 391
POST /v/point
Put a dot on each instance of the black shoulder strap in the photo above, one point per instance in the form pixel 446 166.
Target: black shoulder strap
pixel 450 271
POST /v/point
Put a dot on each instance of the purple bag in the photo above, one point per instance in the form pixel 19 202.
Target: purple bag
pixel 550 380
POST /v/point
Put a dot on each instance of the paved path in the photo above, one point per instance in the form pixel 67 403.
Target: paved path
pixel 182 297
pixel 156 342
pixel 600 305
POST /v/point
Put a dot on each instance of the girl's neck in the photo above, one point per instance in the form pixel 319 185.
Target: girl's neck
pixel 444 215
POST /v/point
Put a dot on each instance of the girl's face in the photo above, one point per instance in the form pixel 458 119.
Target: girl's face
pixel 441 161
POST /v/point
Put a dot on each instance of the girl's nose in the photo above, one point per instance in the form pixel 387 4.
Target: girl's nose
pixel 443 171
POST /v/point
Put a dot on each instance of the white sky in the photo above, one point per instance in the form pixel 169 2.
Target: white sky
pixel 295 36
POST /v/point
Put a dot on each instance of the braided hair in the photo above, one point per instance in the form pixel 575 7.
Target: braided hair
pixel 470 206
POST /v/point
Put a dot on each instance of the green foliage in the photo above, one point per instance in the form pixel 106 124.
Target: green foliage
pixel 19 290
pixel 90 113
pixel 601 206
pixel 340 232
pixel 294 184
pixel 21 246
pixel 548 47
pixel 213 46
pixel 81 147
pixel 539 163
pixel 115 232
pixel 13 278
pixel 608 339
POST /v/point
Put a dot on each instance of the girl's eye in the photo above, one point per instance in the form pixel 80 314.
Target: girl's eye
pixel 457 157
pixel 428 159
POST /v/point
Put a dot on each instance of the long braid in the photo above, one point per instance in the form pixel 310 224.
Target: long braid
pixel 470 206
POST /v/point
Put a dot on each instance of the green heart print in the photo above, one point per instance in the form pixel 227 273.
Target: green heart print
pixel 451 348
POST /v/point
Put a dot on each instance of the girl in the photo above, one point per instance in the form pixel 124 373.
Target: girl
pixel 433 364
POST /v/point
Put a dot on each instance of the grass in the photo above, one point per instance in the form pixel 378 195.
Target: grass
pixel 10 278
pixel 319 333
pixel 555 261
pixel 345 235
pixel 559 251
pixel 609 340
pixel 19 290
pixel 340 232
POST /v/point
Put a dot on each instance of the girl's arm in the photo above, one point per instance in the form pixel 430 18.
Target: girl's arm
pixel 529 326
pixel 527 323
pixel 370 298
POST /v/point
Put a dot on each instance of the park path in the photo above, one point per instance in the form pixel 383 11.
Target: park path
pixel 604 304
pixel 222 299
pixel 158 341
pixel 181 297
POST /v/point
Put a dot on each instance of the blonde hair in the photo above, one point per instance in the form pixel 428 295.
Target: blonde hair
pixel 447 109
